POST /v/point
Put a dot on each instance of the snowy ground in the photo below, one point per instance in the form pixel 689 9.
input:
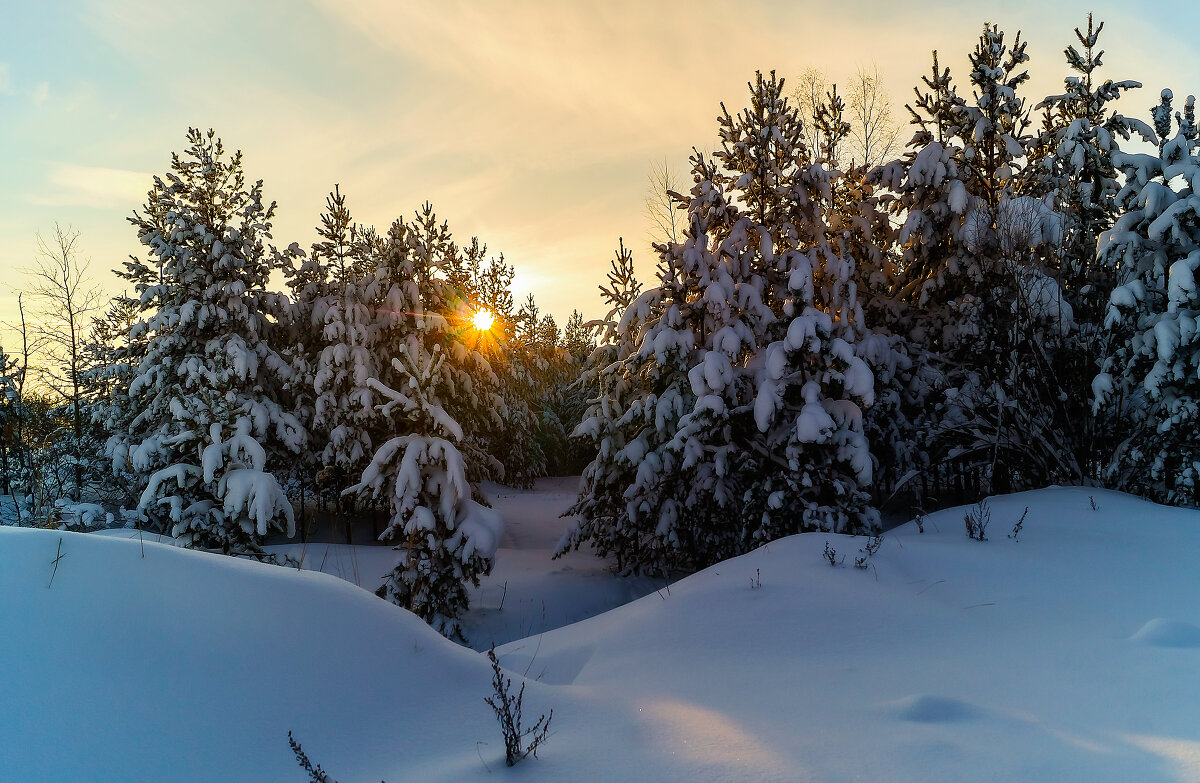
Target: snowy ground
pixel 1071 655
pixel 527 592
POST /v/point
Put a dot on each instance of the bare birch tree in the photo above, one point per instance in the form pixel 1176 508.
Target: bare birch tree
pixel 811 87
pixel 874 133
pixel 666 222
pixel 66 301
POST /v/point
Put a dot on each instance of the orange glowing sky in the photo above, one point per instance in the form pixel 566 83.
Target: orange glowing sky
pixel 530 124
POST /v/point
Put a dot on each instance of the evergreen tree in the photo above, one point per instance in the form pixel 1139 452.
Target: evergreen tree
pixel 571 396
pixel 814 383
pixel 733 416
pixel 859 228
pixel 344 403
pixel 984 307
pixel 1150 377
pixel 1084 135
pixel 577 339
pixel 445 539
pixel 110 355
pixel 204 424
pixel 1074 164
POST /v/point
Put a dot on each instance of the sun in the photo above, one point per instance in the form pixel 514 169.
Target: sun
pixel 483 320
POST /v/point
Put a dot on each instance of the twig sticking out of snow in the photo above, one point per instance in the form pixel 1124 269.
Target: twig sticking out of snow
pixel 60 556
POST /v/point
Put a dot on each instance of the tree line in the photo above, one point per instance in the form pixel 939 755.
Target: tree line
pixel 831 330
pixel 1008 304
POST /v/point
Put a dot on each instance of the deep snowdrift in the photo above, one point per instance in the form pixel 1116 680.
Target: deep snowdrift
pixel 1073 654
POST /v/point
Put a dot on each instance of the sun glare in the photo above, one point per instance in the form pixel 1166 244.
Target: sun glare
pixel 483 320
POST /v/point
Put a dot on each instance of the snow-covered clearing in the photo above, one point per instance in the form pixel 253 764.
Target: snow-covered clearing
pixel 527 592
pixel 1073 654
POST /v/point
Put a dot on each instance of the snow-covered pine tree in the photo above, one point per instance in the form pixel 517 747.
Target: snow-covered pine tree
pixel 634 492
pixel 474 401
pixel 204 427
pixel 475 286
pixel 115 352
pixel 445 539
pixel 859 228
pixel 812 384
pixel 725 422
pixel 978 266
pixel 525 370
pixel 109 357
pixel 1011 415
pixel 1085 133
pixel 924 191
pixel 344 403
pixel 1150 377
pixel 300 340
pixel 609 392
pixel 1074 165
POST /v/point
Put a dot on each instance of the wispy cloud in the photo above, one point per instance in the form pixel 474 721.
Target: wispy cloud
pixel 68 184
pixel 609 77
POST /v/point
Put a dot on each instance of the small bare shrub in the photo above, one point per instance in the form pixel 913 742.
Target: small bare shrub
pixel 977 519
pixel 867 552
pixel 831 555
pixel 518 744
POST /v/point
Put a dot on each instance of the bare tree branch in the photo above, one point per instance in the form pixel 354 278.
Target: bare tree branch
pixel 811 86
pixel 874 132
pixel 660 208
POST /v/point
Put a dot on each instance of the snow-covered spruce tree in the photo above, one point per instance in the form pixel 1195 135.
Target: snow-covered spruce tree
pixel 204 427
pixel 1084 134
pixel 609 391
pixel 858 227
pixel 110 356
pixel 338 292
pixel 1081 133
pixel 445 539
pixel 733 417
pixel 1151 375
pixel 811 382
pixel 979 271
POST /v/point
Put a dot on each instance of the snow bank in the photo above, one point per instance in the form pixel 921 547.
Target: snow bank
pixel 185 666
pixel 1069 655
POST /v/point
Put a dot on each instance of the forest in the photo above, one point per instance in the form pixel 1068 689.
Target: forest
pixel 832 335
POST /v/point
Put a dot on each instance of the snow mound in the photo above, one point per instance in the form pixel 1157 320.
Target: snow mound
pixel 948 659
pixel 1164 632
pixel 179 666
